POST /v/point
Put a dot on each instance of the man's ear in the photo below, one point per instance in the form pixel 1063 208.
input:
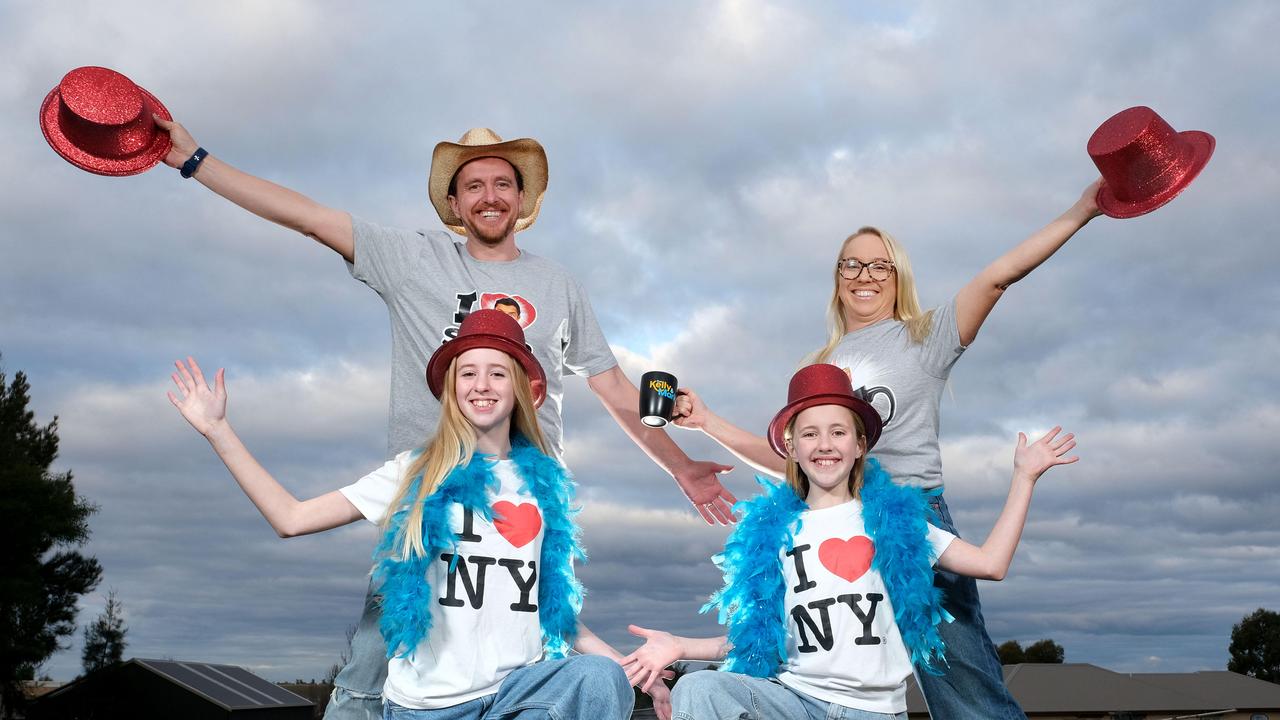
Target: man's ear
pixel 453 205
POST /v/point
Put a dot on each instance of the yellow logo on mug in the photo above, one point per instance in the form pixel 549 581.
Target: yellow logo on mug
pixel 663 388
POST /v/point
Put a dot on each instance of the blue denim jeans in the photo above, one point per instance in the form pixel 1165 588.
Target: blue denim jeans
pixel 357 690
pixel 972 687
pixel 714 695
pixel 583 686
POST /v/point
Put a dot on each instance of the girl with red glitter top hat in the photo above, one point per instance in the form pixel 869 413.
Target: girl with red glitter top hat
pixel 474 570
pixel 829 598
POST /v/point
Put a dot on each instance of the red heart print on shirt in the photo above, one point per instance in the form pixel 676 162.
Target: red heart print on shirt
pixel 849 559
pixel 519 524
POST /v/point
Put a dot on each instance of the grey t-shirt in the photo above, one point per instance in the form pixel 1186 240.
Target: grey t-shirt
pixel 904 380
pixel 430 283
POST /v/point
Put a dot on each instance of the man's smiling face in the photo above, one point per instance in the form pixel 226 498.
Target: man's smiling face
pixel 486 196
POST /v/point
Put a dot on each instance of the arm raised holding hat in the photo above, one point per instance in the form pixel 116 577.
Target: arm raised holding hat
pixel 330 227
pixel 976 299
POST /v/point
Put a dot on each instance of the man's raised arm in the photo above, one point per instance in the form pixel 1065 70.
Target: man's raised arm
pixel 280 205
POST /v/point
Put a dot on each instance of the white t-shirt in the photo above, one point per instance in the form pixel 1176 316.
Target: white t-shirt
pixel 843 645
pixel 485 617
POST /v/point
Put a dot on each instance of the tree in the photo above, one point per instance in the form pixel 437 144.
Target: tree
pixel 1040 651
pixel 1255 646
pixel 343 658
pixel 1011 653
pixel 41 574
pixel 1045 651
pixel 104 640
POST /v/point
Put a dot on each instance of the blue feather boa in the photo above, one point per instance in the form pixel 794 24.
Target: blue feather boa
pixel 406 595
pixel 752 602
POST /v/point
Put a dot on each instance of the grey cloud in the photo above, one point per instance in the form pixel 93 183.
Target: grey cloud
pixel 706 163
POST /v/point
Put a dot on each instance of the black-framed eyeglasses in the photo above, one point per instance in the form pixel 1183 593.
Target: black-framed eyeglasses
pixel 851 269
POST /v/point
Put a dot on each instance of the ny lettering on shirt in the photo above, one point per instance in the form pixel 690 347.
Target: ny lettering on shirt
pixel 518 524
pixel 843 645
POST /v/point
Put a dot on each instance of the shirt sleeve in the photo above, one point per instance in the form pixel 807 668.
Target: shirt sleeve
pixel 383 256
pixel 586 352
pixel 942 347
pixel 373 493
pixel 939 541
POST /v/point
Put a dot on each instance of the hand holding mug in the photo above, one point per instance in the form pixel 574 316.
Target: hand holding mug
pixel 691 412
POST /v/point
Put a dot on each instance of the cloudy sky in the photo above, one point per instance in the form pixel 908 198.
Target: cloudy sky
pixel 706 161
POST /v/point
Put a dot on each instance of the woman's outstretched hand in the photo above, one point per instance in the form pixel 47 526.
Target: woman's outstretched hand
pixel 203 406
pixel 1088 202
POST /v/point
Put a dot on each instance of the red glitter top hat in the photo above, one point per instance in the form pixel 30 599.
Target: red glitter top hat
pixel 1144 162
pixel 822 384
pixel 99 121
pixel 488 329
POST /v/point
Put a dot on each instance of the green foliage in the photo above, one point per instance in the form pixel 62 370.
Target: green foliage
pixel 104 642
pixel 41 575
pixel 1040 651
pixel 1011 653
pixel 1255 646
pixel 1045 651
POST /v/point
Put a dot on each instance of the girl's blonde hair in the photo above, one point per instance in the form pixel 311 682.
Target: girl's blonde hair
pixel 799 482
pixel 906 303
pixel 453 444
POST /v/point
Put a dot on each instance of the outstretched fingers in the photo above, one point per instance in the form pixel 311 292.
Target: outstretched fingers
pixel 189 381
pixel 195 370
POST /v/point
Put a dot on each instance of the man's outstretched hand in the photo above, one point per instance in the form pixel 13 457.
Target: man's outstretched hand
pixel 700 482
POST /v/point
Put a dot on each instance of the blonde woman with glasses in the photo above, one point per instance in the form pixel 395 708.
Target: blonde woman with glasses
pixel 899 358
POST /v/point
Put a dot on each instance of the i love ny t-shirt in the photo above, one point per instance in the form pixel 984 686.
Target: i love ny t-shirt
pixel 843 645
pixel 485 612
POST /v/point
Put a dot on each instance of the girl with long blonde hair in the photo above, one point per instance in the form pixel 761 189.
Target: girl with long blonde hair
pixel 475 567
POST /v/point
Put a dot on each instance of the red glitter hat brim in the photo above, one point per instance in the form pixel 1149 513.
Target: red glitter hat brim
pixel 778 426
pixel 132 165
pixel 440 359
pixel 1202 144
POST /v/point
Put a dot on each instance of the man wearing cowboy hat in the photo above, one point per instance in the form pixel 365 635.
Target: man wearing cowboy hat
pixel 485 190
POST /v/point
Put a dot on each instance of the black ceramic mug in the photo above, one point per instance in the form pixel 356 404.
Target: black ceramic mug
pixel 657 398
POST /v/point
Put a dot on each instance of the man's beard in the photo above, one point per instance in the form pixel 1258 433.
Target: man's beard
pixel 490 238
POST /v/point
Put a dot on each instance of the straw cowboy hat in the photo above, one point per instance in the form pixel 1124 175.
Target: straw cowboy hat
pixel 525 154
pixel 492 329
pixel 99 121
pixel 1144 162
pixel 822 384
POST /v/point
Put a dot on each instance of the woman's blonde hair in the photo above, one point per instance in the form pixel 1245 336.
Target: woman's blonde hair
pixel 906 303
pixel 453 444
pixel 799 482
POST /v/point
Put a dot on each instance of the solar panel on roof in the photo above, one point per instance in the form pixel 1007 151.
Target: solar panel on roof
pixel 230 686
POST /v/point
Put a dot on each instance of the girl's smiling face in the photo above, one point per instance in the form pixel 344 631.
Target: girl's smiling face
pixel 483 389
pixel 825 443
